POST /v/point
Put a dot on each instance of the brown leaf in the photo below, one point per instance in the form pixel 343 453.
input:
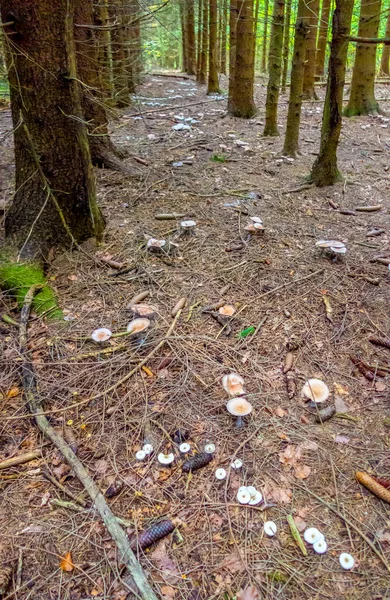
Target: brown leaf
pixel 167 591
pixel 167 567
pixel 250 593
pixel 234 563
pixel 281 495
pixel 61 471
pixel 13 392
pixel 383 536
pixel 302 471
pixel 290 456
pixel 66 563
pixel 300 523
pixel 278 412
pixel 308 445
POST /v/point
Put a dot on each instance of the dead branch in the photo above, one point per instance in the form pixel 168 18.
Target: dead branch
pixel 20 460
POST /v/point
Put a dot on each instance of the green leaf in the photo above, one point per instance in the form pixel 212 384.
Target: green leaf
pixel 248 331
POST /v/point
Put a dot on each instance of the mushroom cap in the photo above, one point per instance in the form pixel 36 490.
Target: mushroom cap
pixel 140 455
pixel 138 325
pixel 184 447
pixel 209 448
pixel 142 310
pixel 239 407
pixel 320 547
pixel 312 535
pixel 236 464
pixel 243 496
pixel 256 498
pixel 187 224
pixel 165 459
pixel 101 335
pixel 270 528
pixel 254 227
pixel 220 473
pixel 148 448
pixel 252 490
pixel 315 390
pixel 227 309
pixel 339 249
pixel 335 245
pixel 154 243
pixel 256 220
pixel 346 560
pixel 233 384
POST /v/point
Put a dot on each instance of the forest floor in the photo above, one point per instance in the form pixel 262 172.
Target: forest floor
pixel 277 280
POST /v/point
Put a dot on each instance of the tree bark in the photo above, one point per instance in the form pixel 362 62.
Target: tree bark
pixel 322 39
pixel 213 82
pixel 199 40
pixel 255 24
pixel 241 95
pixel 309 92
pixel 103 151
pixel 104 50
pixel 274 69
pixel 118 52
pixel 265 38
pixel 55 201
pixel 184 41
pixel 291 139
pixel 325 170
pixel 233 15
pixel 386 51
pixel 362 95
pixel 189 21
pixel 286 44
pixel 202 77
pixel 133 36
pixel 223 20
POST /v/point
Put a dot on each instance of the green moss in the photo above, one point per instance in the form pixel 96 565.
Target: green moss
pixel 18 278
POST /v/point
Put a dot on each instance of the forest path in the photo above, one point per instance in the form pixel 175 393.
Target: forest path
pixel 277 279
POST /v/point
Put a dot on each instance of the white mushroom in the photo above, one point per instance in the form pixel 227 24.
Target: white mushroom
pixel 270 528
pixel 256 498
pixel 188 225
pixel 312 535
pixel 101 335
pixel 243 496
pixel 346 561
pixel 140 455
pixel 333 245
pixel 320 547
pixel 220 474
pixel 184 448
pixel 154 245
pixel 315 390
pixel 251 489
pixel 256 220
pixel 165 459
pixel 148 449
pixel 209 448
pixel 138 325
pixel 233 384
pixel 227 310
pixel 239 407
pixel 236 464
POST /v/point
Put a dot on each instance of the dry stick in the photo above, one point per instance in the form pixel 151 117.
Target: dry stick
pixel 348 522
pixel 20 460
pixel 60 487
pixel 125 554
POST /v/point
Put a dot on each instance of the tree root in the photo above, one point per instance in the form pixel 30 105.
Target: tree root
pixel 125 554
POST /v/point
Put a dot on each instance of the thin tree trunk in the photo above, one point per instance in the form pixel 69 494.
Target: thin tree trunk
pixel 274 69
pixel 362 95
pixel 118 50
pixel 291 139
pixel 134 44
pixel 325 170
pixel 205 40
pixel 184 41
pixel 241 94
pixel 322 39
pixel 213 82
pixel 386 51
pixel 199 40
pixel 104 50
pixel 233 15
pixel 265 38
pixel 223 37
pixel 255 23
pixel 55 199
pixel 286 44
pixel 309 92
pixel 190 36
pixel 103 151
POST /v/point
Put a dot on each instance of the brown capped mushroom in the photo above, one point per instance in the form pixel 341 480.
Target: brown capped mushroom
pixel 239 407
pixel 227 310
pixel 142 310
pixel 233 384
pixel 137 326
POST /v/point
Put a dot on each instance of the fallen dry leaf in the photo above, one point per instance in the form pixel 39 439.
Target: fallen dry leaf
pixel 300 523
pixel 302 471
pixel 250 593
pixel 340 390
pixel 66 563
pixel 280 495
pixel 165 564
pixel 167 591
pixel 13 392
pixel 278 412
pixel 340 405
pixel 308 445
pixel 383 536
pixel 290 456
pixel 234 563
pixel 61 471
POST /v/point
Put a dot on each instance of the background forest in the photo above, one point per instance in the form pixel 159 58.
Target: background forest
pixel 194 304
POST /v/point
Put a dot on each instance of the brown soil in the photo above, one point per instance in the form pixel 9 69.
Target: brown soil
pixel 278 279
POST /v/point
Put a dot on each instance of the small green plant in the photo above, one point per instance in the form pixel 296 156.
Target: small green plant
pixel 221 158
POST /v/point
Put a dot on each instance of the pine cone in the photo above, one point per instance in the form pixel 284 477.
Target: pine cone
pixel 197 462
pixel 5 579
pixel 152 535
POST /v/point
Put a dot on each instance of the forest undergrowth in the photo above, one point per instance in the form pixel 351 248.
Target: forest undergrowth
pixel 287 298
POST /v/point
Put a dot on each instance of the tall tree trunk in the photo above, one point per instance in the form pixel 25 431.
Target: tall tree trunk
pixel 233 15
pixel 119 59
pixel 184 41
pixel 255 24
pixel 223 28
pixel 386 50
pixel 286 44
pixel 291 140
pixel 322 39
pixel 199 40
pixel 104 50
pixel 134 44
pixel 242 102
pixel 213 83
pixel 274 69
pixel 362 95
pixel 189 19
pixel 265 38
pixel 205 40
pixel 309 92
pixel 103 151
pixel 325 170
pixel 55 200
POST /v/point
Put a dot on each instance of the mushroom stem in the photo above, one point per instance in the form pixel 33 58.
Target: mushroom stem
pixel 239 422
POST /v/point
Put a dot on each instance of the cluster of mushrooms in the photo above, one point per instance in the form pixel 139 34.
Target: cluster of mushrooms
pixel 156 246
pixel 166 459
pixel 143 315
pixel 238 405
pixel 316 539
pixel 254 225
pixel 332 247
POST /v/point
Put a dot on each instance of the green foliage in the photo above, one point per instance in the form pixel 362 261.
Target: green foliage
pixel 17 278
pixel 221 158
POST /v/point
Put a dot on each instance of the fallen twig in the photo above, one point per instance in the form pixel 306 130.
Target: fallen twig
pixel 60 487
pixel 20 460
pixel 296 535
pixel 125 554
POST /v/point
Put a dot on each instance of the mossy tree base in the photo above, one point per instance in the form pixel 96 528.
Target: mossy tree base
pixel 17 278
